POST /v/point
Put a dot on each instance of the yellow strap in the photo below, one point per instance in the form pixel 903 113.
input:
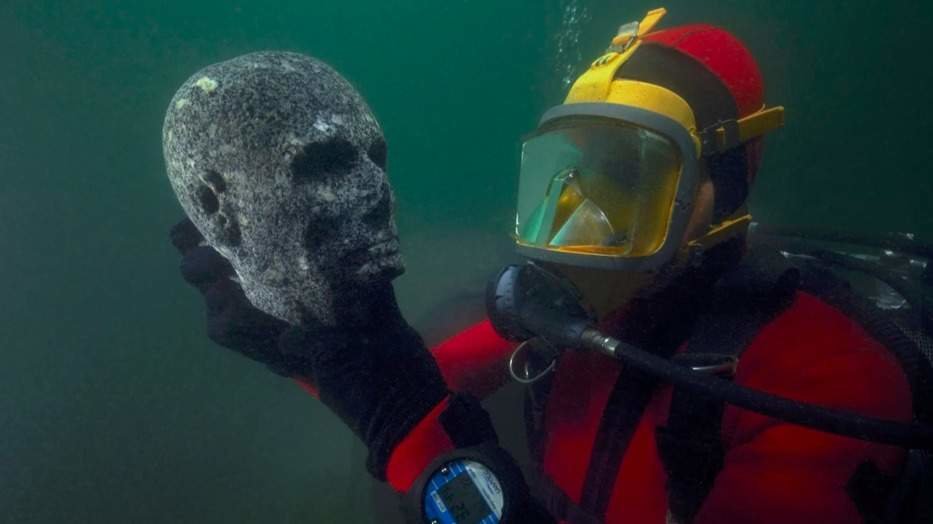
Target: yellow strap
pixel 650 20
pixel 594 85
pixel 596 82
pixel 757 124
pixel 728 228
pixel 731 133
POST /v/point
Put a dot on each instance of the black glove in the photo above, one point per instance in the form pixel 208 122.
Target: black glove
pixel 379 378
pixel 232 321
pixel 382 382
pixel 372 369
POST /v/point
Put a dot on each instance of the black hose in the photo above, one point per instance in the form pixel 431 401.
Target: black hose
pixel 522 301
pixel 900 242
pixel 915 296
pixel 915 436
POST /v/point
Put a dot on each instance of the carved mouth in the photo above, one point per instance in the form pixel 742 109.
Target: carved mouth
pixel 380 261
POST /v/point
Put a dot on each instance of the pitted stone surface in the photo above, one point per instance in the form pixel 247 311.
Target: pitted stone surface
pixel 280 164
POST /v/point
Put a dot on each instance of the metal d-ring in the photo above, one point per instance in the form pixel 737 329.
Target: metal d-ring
pixel 527 371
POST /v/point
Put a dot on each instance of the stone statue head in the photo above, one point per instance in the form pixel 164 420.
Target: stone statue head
pixel 280 164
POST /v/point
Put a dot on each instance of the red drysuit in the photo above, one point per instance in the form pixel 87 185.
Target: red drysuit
pixel 773 471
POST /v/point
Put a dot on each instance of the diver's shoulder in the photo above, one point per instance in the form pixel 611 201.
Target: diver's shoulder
pixel 811 333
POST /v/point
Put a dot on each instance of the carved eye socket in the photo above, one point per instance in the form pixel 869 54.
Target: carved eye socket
pixel 335 156
pixel 211 184
pixel 215 181
pixel 207 199
pixel 378 153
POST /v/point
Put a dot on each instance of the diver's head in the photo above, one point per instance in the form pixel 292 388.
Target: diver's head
pixel 646 166
pixel 280 163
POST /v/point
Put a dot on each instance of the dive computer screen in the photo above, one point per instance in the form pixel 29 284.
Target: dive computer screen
pixel 463 492
pixel 464 501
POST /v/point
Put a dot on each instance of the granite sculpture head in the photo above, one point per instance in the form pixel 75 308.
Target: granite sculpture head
pixel 280 164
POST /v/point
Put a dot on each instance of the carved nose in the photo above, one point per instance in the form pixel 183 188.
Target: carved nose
pixel 378 214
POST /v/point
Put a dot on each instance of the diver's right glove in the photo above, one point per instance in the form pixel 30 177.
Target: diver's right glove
pixel 232 321
pixel 376 374
pixel 374 371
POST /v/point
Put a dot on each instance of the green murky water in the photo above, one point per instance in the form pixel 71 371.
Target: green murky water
pixel 114 406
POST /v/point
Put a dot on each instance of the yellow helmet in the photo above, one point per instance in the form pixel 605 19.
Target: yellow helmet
pixel 609 178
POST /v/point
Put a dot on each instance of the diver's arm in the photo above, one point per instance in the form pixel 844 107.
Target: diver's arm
pixel 384 384
pixel 379 378
pixel 474 361
pixel 776 472
pixel 471 362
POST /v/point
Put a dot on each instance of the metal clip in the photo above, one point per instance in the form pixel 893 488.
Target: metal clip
pixel 525 376
pixel 624 39
pixel 720 137
pixel 709 363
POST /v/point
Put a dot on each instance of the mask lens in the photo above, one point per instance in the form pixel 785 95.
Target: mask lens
pixel 600 188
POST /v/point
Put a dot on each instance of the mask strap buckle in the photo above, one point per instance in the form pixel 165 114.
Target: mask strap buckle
pixel 723 136
pixel 632 31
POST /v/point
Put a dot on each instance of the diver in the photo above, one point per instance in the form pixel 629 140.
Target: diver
pixel 632 193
